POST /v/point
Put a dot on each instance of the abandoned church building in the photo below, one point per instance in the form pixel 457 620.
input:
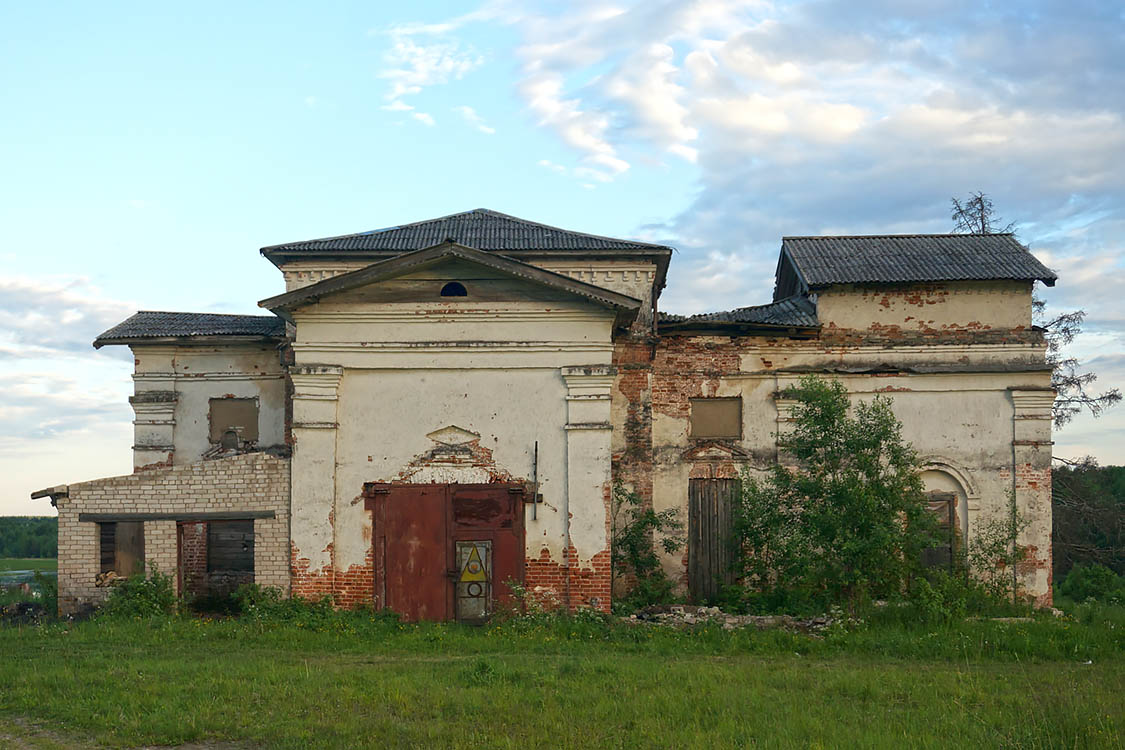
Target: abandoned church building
pixel 432 410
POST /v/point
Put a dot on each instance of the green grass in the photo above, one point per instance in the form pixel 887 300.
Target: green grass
pixel 25 563
pixel 355 680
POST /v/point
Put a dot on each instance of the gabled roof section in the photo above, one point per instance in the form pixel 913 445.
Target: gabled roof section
pixel 814 262
pixel 421 259
pixel 150 326
pixel 479 228
pixel 793 312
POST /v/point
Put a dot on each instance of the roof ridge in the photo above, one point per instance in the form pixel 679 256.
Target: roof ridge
pixel 479 211
pixel 885 236
pixel 185 312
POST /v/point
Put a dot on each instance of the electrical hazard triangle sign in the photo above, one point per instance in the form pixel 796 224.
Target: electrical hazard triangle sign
pixel 474 567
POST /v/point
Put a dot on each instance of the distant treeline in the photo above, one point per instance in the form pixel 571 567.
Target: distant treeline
pixel 1089 517
pixel 29 536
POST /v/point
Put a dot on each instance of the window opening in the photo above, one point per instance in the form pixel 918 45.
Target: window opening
pixel 454 289
pixel 716 418
pixel 237 415
pixel 122 547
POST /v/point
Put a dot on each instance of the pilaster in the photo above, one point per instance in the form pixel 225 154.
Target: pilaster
pixel 313 482
pixel 1032 414
pixel 588 460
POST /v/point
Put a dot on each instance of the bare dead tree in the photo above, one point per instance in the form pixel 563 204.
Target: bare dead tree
pixel 1067 378
pixel 977 215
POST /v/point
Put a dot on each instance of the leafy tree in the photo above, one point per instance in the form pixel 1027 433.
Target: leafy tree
pixel 1088 503
pixel 976 215
pixel 849 521
pixel 29 536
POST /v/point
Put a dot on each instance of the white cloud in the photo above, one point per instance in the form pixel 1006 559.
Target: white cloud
pixel 412 67
pixel 556 168
pixel 474 119
pixel 424 118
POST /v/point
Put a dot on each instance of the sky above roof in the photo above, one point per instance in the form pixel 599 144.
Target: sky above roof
pixel 149 150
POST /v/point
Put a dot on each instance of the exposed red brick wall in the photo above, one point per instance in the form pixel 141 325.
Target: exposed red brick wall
pixel 546 580
pixel 193 557
pixel 305 582
pixel 355 587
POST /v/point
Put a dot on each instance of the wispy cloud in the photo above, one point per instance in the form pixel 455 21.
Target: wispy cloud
pixel 412 66
pixel 470 115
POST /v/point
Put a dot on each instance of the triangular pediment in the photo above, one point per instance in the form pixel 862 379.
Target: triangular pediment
pixel 422 275
pixel 715 451
pixel 453 435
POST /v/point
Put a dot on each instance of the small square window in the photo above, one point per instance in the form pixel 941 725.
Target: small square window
pixel 716 418
pixel 237 415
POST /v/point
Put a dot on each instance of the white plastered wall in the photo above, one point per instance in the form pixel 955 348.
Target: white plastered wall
pixel 374 380
pixel 173 386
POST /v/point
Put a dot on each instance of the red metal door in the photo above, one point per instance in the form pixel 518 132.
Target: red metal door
pixel 411 537
pixel 415 535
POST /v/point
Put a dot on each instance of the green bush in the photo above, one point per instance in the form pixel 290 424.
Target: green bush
pixel 1093 582
pixel 846 525
pixel 49 591
pixel 636 530
pixel 141 596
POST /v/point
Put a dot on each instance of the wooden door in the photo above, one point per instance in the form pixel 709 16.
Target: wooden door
pixel 710 508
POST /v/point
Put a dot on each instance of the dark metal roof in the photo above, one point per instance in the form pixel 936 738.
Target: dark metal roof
pixel 821 261
pixel 481 228
pixel 794 312
pixel 149 324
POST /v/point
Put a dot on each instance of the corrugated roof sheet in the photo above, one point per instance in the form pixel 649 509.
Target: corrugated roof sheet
pixel 913 257
pixel 794 311
pixel 481 228
pixel 154 324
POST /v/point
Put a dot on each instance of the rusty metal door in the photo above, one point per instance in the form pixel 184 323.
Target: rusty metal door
pixel 710 508
pixel 411 533
pixel 446 551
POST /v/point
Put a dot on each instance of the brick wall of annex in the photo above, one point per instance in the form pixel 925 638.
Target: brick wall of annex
pixel 250 482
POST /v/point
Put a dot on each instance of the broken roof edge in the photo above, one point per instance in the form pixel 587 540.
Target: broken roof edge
pixel 161 326
pixel 799 306
pixel 417 259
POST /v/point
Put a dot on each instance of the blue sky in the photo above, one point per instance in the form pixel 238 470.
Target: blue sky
pixel 148 151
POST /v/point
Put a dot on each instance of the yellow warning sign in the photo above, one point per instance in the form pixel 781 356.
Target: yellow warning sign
pixel 474 568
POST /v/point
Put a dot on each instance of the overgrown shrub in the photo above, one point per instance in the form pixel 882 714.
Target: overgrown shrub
pixel 141 596
pixel 266 604
pixel 1097 582
pixel 848 523
pixel 49 592
pixel 636 532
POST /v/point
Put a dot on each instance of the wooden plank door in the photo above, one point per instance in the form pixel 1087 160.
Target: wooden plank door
pixel 710 509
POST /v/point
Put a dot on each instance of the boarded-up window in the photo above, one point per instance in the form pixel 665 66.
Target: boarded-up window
pixel 239 415
pixel 710 530
pixel 716 417
pixel 230 547
pixel 121 546
pixel 944 507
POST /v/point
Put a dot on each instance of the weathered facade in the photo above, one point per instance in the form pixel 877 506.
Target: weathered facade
pixel 438 409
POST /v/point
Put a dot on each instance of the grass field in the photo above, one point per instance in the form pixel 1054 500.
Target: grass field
pixel 25 563
pixel 358 681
